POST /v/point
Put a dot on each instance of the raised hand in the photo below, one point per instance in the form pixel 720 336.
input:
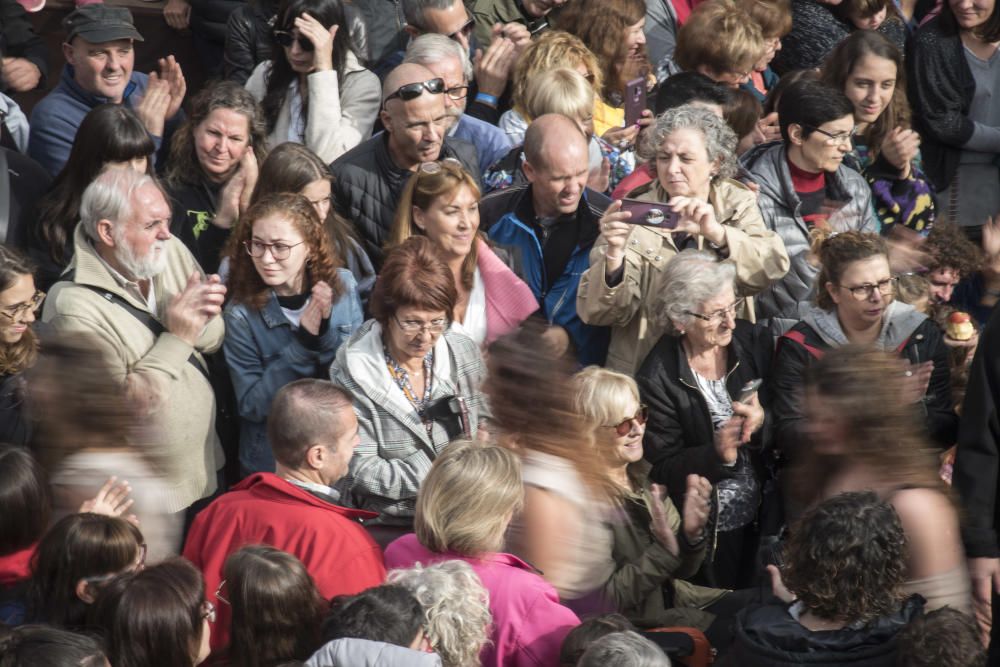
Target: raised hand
pixel 899 148
pixel 321 38
pixel 615 232
pixel 659 524
pixel 170 71
pixel 318 309
pixel 190 311
pixel 493 67
pixel 752 415
pixel 111 500
pixel 697 507
pixel 918 378
pixel 727 439
pixel 20 74
pixel 698 217
pixel 153 108
pixel 177 14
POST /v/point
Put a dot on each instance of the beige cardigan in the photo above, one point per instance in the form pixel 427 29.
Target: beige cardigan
pixel 337 120
pixel 173 396
pixel 757 252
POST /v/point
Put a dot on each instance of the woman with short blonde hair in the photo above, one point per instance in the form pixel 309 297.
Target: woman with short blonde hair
pixel 463 509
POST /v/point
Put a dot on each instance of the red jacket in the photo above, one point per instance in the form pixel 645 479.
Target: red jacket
pixel 265 509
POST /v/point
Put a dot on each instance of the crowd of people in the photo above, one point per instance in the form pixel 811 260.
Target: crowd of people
pixel 502 333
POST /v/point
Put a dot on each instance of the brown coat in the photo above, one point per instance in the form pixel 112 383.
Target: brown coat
pixel 758 253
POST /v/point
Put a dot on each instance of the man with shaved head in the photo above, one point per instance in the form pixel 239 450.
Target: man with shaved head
pixel 369 179
pixel 550 225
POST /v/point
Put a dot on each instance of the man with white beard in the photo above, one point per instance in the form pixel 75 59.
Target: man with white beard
pixel 142 294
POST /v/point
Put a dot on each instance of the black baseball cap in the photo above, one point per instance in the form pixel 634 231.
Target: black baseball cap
pixel 100 23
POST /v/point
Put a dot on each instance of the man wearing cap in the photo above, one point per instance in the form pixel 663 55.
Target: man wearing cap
pixel 368 179
pixel 99 52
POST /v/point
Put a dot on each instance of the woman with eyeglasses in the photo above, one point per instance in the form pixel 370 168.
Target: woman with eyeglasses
pixel 869 69
pixel 415 383
pixel 855 304
pixel 805 186
pixel 441 202
pixel 212 169
pixel 73 563
pixel 657 544
pixel 156 617
pixel 19 300
pixel 274 606
pixel 705 407
pixel 294 168
pixel 291 307
pixel 700 206
pixel 314 90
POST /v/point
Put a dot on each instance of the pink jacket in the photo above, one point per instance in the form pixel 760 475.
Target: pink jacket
pixel 529 624
pixel 509 300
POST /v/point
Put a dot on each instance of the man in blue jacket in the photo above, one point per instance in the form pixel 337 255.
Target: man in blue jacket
pixel 99 52
pixel 550 225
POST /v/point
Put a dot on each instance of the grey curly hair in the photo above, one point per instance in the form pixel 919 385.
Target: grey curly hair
pixel 720 140
pixel 690 279
pixel 456 609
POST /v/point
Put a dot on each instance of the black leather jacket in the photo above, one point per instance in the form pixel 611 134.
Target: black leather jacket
pixel 248 37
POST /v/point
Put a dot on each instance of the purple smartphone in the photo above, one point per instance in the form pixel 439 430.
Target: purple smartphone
pixel 635 101
pixel 650 214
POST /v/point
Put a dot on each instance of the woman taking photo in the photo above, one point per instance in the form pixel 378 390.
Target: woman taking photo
pixel 654 547
pixel 441 202
pixel 952 89
pixel 869 69
pixel 157 617
pixel 275 607
pixel 699 416
pixel 293 168
pixel 414 381
pixel 694 166
pixel 804 186
pixel 109 134
pixel 314 91
pixel 213 169
pixel 464 507
pixel 291 307
pixel 857 444
pixel 855 304
pixel 19 299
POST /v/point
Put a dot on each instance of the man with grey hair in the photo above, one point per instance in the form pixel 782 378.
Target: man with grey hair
pixel 623 649
pixel 139 291
pixel 313 432
pixel 447 59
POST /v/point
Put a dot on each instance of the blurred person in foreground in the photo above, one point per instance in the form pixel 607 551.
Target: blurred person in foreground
pixel 844 563
pixel 464 508
pixel 313 432
pixel 153 314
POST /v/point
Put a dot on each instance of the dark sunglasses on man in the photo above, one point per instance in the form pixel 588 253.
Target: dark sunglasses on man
pixel 286 38
pixel 412 91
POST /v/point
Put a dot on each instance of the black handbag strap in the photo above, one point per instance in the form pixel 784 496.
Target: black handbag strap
pixel 147 319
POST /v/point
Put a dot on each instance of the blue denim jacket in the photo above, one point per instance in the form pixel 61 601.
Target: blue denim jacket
pixel 264 354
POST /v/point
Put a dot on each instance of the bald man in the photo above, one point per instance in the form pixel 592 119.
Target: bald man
pixel 550 225
pixel 369 179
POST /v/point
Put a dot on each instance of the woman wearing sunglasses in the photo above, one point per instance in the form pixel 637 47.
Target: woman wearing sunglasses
pixel 441 202
pixel 18 344
pixel 855 304
pixel 314 90
pixel 292 305
pixel 700 416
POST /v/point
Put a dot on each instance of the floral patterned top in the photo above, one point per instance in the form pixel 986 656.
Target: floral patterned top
pixel 906 201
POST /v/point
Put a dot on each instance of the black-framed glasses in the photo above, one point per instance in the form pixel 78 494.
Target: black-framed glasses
pixel 624 427
pixel 716 316
pixel 411 91
pixel 286 38
pixel 208 611
pixel 464 31
pixel 431 168
pixel 279 251
pixel 16 311
pixel 218 593
pixel 834 139
pixel 885 288
pixel 457 92
pixel 414 326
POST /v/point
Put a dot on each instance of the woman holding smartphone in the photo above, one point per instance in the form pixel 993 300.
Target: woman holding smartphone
pixel 703 208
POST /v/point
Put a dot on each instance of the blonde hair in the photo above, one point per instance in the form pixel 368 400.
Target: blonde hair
pixel 602 396
pixel 456 607
pixel 553 49
pixel 468 498
pixel 562 90
pixel 720 36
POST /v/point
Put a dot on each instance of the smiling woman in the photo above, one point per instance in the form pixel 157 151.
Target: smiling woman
pixel 213 169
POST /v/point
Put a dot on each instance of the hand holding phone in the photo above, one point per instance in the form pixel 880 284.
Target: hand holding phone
pixel 749 389
pixel 635 101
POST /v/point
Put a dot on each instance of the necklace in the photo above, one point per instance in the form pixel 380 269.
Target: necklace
pixel 402 379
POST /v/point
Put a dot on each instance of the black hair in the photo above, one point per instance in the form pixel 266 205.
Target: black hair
pixel 43 646
pixel 687 87
pixel 809 104
pixel 24 497
pixel 389 613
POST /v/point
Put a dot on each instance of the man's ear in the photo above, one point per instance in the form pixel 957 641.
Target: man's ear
pixel 68 55
pixel 85 591
pixel 529 171
pixel 316 456
pixel 386 119
pixel 795 134
pixel 105 232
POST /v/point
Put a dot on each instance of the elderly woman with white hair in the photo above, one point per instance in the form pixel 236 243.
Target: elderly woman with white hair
pixel 698 383
pixel 703 208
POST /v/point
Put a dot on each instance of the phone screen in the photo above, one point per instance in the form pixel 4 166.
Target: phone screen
pixel 650 214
